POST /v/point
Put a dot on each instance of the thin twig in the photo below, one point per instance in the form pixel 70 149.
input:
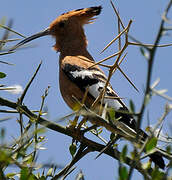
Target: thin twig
pixel 149 45
pixel 6 33
pixel 117 37
pixel 9 29
pixel 117 14
pixel 150 65
pixel 20 100
pixel 79 155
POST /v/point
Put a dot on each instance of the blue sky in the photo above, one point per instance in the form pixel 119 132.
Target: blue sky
pixel 33 16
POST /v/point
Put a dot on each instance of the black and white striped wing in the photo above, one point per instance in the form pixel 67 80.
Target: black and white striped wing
pixel 95 80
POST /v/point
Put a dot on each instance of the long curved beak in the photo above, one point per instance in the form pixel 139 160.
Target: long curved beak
pixel 35 36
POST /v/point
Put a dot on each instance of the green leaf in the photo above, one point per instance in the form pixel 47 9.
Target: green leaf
pixel 111 113
pixel 21 153
pixel 132 106
pixel 24 173
pixel 123 173
pixel 124 153
pixel 28 159
pixel 10 175
pixel 4 156
pixel 168 149
pixel 72 149
pixel 2 75
pixel 40 131
pixel 157 175
pixel 42 178
pixel 112 136
pixel 151 144
pixel 146 165
pixel 50 172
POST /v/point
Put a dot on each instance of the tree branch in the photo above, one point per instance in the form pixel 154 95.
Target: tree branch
pixel 79 136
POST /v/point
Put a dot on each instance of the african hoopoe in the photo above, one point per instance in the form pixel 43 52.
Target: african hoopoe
pixel 76 74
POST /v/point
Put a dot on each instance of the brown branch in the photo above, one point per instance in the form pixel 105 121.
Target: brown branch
pixel 79 155
pixel 79 136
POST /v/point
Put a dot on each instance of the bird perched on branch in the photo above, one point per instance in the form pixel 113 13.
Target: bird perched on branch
pixel 76 69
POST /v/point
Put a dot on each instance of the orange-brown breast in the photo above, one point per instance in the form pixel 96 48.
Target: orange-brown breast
pixel 67 87
pixel 69 90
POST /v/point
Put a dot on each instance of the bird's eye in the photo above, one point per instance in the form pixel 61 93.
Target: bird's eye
pixel 62 24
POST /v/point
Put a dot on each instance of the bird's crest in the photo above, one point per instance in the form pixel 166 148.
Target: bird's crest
pixel 68 27
pixel 84 14
pixel 57 27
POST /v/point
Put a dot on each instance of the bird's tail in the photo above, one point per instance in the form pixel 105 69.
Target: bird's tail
pixel 130 121
pixel 157 159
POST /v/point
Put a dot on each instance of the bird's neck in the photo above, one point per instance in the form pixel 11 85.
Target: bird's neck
pixel 72 45
pixel 82 54
pixel 75 47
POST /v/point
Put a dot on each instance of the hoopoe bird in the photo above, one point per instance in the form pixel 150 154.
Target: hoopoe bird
pixel 76 70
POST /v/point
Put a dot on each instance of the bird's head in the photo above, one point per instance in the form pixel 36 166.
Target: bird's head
pixel 67 28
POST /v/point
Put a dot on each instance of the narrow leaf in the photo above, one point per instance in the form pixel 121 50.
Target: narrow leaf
pixel 123 173
pixel 151 144
pixel 112 113
pixel 50 172
pixel 24 174
pixel 72 149
pixel 132 106
pixel 124 153
pixel 2 75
